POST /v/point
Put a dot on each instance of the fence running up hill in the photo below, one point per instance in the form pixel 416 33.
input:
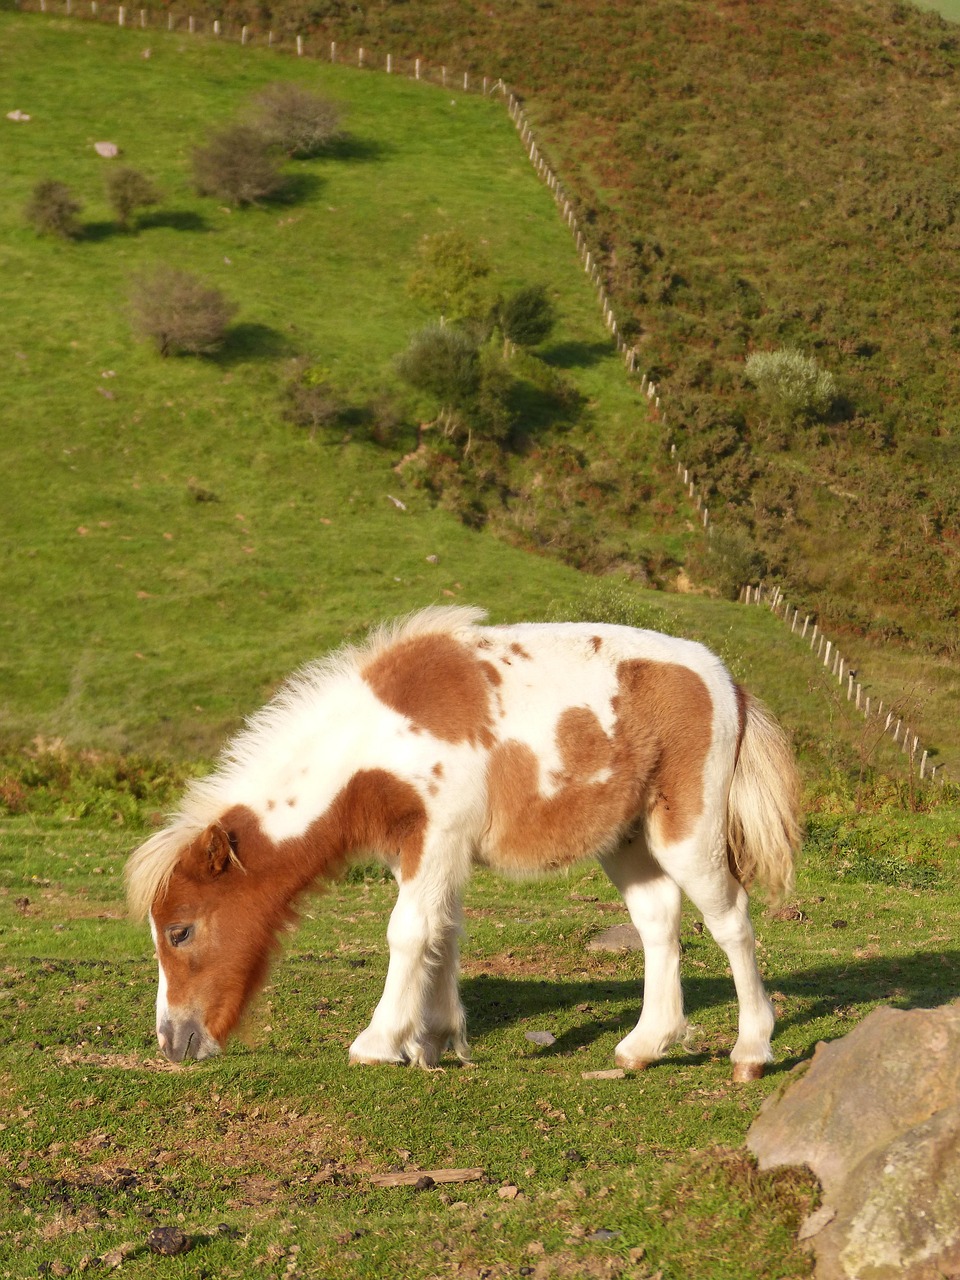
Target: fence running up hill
pixel 419 69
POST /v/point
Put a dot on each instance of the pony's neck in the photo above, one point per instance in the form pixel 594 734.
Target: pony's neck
pixel 375 813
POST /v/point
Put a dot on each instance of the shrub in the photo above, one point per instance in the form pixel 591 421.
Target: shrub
pixel 452 277
pixel 728 561
pixel 52 210
pixel 128 190
pixel 296 120
pixel 525 317
pixel 177 312
pixel 443 362
pixel 311 401
pixel 238 165
pixel 792 384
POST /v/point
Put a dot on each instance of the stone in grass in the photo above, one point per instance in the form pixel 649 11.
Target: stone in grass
pixel 168 1241
pixel 875 1116
pixel 541 1037
pixel 619 937
pixel 109 150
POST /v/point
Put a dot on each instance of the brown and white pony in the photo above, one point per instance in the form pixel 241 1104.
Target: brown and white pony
pixel 441 743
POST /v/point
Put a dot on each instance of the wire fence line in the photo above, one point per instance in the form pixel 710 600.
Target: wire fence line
pixel 439 74
pixel 889 719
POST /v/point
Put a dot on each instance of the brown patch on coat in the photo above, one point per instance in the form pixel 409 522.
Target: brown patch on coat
pixel 585 750
pixel 238 889
pixel 520 652
pixel 437 770
pixel 438 684
pixel 653 762
pixel 677 702
pixel 491 672
pixel 597 643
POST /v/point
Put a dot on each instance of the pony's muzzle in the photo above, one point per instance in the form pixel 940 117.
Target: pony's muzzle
pixel 185 1039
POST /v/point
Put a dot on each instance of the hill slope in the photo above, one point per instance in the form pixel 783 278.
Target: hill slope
pixel 755 179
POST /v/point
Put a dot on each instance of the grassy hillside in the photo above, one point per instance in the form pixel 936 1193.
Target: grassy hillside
pixel 755 180
pixel 172 543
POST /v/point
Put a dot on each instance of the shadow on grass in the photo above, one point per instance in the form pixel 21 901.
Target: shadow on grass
pixel 571 355
pixel 173 219
pixel 95 232
pixel 298 187
pixel 249 341
pixel 349 147
pixel 921 980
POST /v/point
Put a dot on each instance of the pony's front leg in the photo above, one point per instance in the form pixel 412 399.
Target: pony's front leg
pixel 420 1012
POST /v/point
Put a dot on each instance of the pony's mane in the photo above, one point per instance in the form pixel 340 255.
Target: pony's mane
pixel 150 867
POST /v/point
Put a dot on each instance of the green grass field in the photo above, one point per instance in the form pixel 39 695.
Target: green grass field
pixel 147 617
pixel 265 1158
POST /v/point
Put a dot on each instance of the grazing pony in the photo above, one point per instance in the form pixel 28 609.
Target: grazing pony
pixel 440 743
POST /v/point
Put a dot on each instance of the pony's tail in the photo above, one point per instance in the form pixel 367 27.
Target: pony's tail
pixel 763 822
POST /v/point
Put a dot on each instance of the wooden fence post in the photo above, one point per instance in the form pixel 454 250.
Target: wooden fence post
pixel 299 46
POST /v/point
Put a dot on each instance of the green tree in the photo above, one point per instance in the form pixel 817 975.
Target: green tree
pixel 526 316
pixel 452 278
pixel 444 363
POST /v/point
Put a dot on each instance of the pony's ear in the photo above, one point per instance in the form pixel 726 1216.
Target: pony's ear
pixel 216 851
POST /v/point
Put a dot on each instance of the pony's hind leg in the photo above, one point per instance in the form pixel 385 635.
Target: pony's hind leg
pixel 420 1012
pixel 653 900
pixel 700 868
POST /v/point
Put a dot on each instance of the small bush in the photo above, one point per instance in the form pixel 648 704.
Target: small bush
pixel 452 278
pixel 525 317
pixel 52 210
pixel 443 362
pixel 793 384
pixel 177 312
pixel 129 190
pixel 301 123
pixel 311 401
pixel 386 420
pixel 238 165
pixel 728 560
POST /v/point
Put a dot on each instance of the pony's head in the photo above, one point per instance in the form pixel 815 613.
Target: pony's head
pixel 215 914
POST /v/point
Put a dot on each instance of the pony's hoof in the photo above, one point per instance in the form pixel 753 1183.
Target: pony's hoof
pixel 632 1064
pixel 744 1072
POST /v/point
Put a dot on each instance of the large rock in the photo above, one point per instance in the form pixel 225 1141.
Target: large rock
pixel 876 1116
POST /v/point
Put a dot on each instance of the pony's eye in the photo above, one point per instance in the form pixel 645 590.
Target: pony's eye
pixel 178 934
